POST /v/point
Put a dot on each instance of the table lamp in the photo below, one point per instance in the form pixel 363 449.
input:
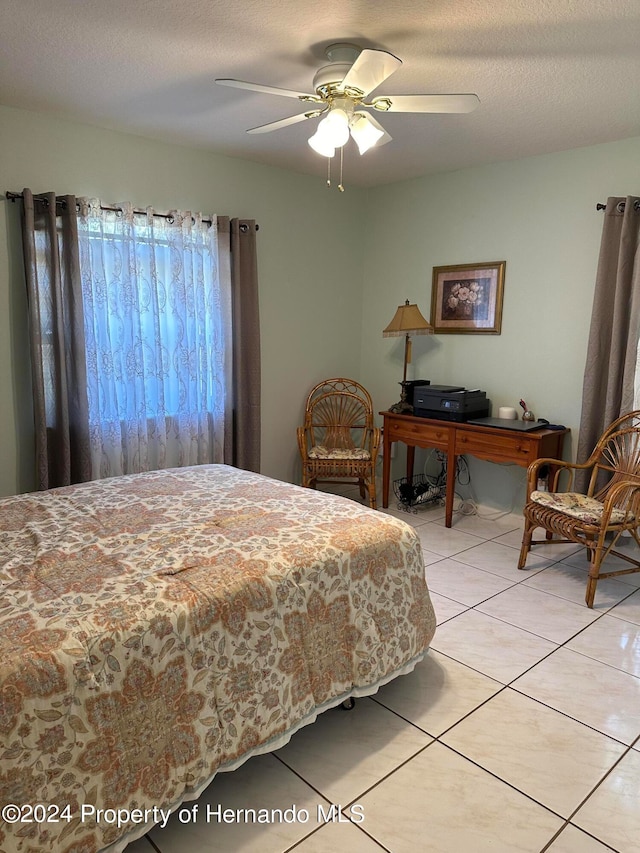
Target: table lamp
pixel 407 321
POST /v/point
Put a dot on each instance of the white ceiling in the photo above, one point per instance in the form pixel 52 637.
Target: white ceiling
pixel 550 74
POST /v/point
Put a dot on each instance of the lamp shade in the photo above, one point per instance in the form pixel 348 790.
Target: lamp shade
pixel 365 132
pixel 322 145
pixel 335 127
pixel 407 321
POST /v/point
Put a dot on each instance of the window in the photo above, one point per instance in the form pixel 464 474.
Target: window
pixel 138 360
pixel 157 323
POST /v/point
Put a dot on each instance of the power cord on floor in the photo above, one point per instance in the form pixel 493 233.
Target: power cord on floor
pixel 469 505
pixel 439 478
pixel 472 504
pixel 463 475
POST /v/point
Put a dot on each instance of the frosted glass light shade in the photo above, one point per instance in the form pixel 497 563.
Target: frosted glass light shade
pixel 364 132
pixel 332 133
pixel 322 145
pixel 335 127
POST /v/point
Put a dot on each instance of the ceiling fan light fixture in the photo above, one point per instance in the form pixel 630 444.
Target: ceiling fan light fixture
pixel 321 144
pixel 365 134
pixel 332 132
pixel 340 92
pixel 335 127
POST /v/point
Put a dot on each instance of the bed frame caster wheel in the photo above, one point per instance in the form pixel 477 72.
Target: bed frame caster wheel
pixel 348 704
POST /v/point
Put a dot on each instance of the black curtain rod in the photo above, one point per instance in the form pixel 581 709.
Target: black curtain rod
pixel 11 196
pixel 636 205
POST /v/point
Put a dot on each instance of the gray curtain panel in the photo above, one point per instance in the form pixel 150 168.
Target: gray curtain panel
pixel 608 388
pixel 49 234
pixel 246 345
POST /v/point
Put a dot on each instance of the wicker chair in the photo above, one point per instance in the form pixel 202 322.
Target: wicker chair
pixel 338 441
pixel 597 519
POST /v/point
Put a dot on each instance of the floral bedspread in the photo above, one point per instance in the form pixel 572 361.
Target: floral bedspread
pixel 155 628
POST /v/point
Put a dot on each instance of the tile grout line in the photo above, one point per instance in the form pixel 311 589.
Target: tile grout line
pixel 510 684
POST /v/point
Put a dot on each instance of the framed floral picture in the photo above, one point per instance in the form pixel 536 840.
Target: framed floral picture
pixel 467 298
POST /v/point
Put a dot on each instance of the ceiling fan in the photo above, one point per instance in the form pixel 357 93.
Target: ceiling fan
pixel 341 88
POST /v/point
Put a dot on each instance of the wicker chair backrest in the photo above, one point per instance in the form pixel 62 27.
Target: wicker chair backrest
pixel 616 457
pixel 339 413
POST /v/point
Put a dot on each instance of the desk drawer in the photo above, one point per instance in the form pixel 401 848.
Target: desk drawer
pixel 419 434
pixel 502 448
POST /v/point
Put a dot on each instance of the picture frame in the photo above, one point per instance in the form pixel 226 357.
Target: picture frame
pixel 467 298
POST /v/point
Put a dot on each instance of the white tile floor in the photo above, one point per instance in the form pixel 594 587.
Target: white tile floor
pixel 520 731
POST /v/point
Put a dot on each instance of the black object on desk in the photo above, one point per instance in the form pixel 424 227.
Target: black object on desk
pixel 505 423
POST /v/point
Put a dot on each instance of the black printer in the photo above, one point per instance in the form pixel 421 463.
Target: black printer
pixel 450 403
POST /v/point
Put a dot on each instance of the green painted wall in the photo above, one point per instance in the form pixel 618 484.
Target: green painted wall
pixel 310 279
pixel 539 215
pixel 333 268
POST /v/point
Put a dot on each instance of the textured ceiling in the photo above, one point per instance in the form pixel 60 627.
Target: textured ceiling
pixel 550 74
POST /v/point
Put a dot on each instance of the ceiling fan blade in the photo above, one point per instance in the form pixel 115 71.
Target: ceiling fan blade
pixel 371 68
pixel 284 122
pixel 266 90
pixel 426 103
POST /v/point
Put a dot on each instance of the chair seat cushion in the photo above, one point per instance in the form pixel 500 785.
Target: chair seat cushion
pixel 322 452
pixel 577 506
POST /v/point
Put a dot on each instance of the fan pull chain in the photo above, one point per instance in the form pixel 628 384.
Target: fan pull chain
pixel 329 159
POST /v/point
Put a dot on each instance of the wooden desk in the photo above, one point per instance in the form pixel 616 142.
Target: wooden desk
pixel 491 443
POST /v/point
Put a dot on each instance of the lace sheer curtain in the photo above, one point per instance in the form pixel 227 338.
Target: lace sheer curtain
pixel 157 315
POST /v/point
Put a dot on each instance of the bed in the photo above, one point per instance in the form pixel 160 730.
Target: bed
pixel 158 628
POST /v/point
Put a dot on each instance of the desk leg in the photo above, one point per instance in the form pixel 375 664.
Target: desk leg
pixel 451 489
pixel 386 469
pixel 452 467
pixel 411 455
